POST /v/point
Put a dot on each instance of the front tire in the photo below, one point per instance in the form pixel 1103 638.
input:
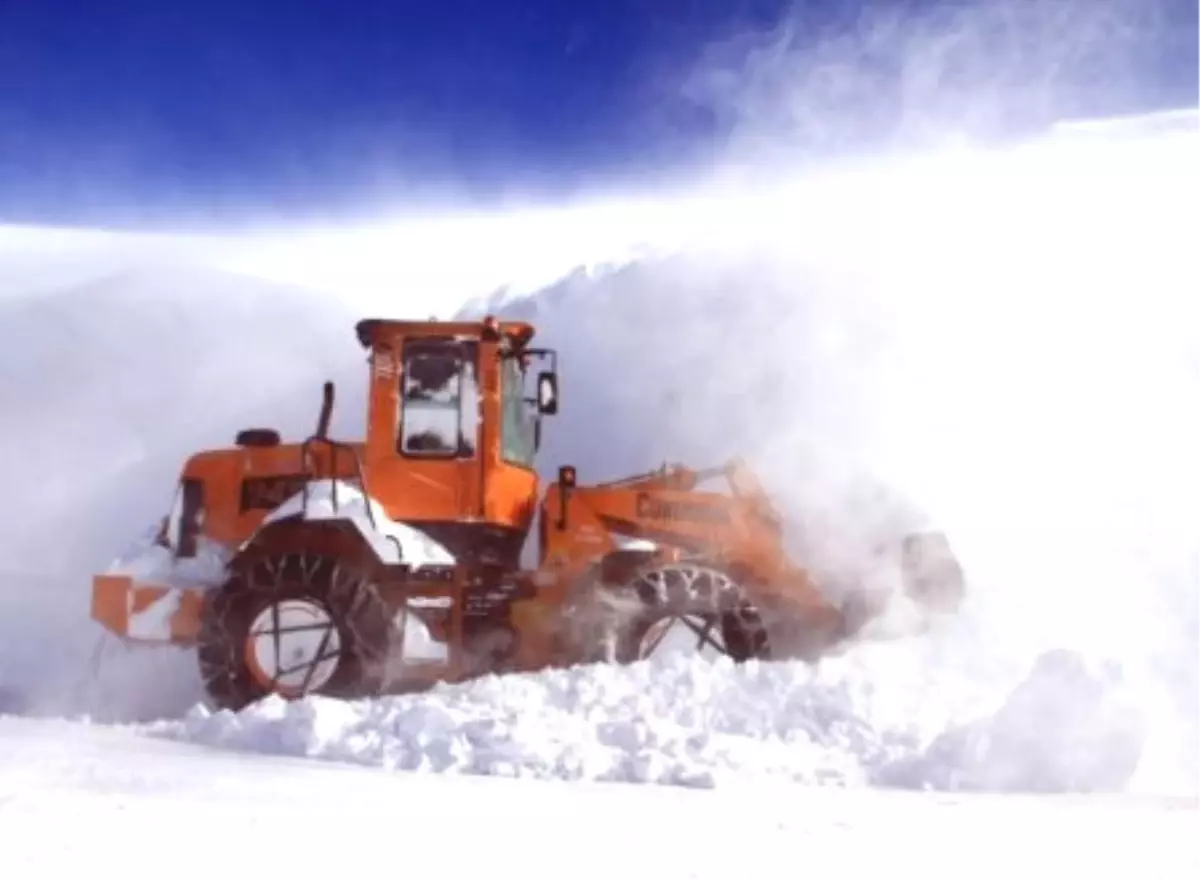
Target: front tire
pixel 703 605
pixel 293 625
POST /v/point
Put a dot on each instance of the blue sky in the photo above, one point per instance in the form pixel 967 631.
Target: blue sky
pixel 128 110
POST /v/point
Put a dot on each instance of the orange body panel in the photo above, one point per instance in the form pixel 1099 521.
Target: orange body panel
pixel 223 473
pixel 739 531
pixel 140 612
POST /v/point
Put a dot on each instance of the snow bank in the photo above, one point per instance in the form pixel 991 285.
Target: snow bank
pixel 676 721
pixel 114 374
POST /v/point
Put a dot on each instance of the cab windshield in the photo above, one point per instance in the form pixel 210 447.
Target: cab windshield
pixel 440 399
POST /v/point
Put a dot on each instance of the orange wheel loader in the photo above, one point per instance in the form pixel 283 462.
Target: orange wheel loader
pixel 388 564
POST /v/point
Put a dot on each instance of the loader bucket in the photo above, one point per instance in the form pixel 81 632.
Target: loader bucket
pixel 147 613
pixel 933 576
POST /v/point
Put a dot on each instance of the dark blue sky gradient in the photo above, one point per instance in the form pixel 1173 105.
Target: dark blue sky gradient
pixel 131 110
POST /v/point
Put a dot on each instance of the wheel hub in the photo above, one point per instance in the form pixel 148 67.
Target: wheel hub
pixel 293 647
pixel 692 634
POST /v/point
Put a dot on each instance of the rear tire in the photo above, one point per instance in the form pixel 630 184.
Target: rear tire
pixel 293 625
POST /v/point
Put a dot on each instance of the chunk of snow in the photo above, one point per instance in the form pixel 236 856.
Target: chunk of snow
pixel 1069 726
pixel 675 721
pixel 149 562
pixel 622 542
pixel 154 621
pixel 393 542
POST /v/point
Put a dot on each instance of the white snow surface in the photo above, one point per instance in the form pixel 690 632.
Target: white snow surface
pixel 72 793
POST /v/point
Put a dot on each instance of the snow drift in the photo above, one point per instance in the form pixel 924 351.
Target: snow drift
pixel 676 721
pixel 997 342
pixel 108 383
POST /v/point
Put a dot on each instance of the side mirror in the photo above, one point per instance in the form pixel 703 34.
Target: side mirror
pixel 547 393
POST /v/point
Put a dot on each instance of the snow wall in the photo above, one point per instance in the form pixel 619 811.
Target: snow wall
pixel 1004 340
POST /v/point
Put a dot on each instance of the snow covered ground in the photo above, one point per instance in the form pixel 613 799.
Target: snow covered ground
pixel 71 795
pixel 1005 340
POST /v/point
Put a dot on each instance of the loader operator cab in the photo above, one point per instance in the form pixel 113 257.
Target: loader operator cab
pixel 441 401
pixel 454 427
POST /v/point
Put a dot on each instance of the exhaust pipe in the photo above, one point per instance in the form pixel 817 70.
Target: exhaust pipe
pixel 326 411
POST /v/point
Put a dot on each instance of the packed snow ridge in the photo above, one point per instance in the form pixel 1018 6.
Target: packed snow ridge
pixel 672 720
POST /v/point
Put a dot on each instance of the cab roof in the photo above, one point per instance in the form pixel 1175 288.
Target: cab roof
pixel 371 331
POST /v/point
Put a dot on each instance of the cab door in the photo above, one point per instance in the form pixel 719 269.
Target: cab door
pixel 430 469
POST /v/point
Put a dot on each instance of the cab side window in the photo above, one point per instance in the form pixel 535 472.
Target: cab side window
pixel 518 438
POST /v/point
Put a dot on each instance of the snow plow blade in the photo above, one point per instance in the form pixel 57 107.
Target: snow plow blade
pixel 933 576
pixel 146 613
